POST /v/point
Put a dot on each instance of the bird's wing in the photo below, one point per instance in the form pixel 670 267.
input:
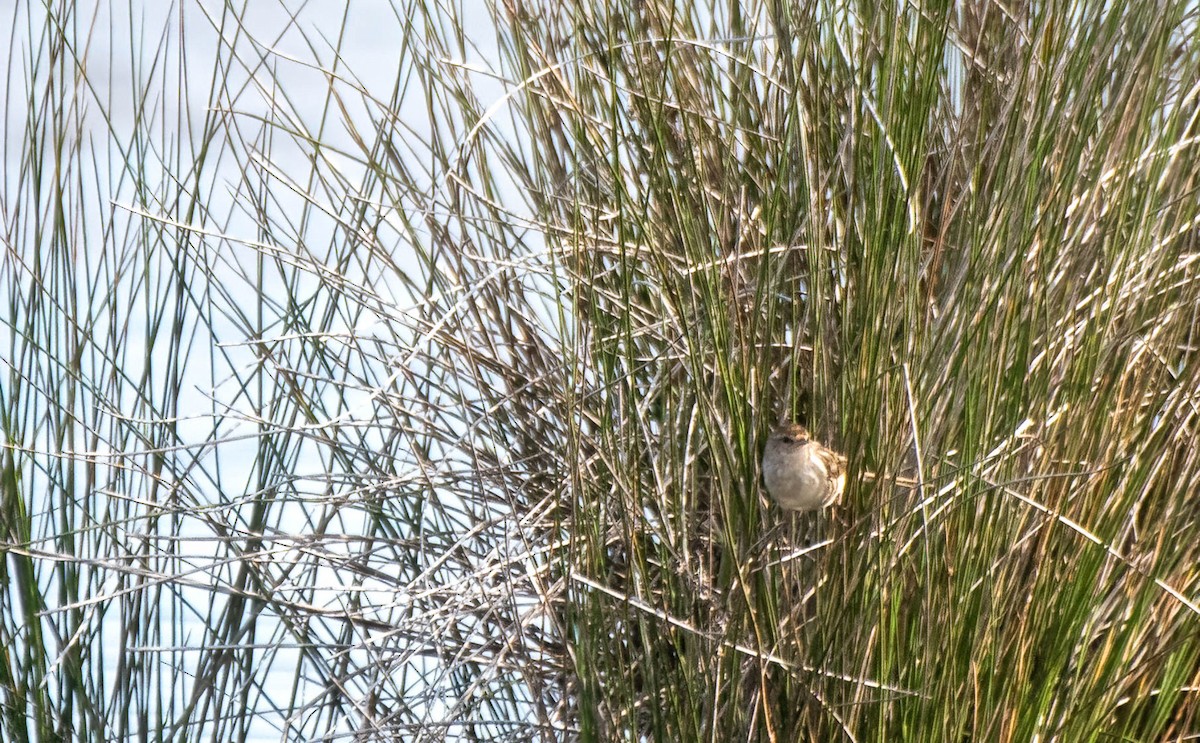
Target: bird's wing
pixel 835 464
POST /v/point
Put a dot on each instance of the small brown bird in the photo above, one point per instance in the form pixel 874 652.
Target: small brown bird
pixel 801 474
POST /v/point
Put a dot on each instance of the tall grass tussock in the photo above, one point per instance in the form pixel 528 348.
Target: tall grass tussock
pixel 405 374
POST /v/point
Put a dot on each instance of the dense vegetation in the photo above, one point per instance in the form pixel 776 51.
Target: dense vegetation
pixel 424 399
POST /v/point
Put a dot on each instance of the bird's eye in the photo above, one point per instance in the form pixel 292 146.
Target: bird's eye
pixel 788 439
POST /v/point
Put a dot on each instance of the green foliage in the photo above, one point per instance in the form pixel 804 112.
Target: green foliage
pixel 434 409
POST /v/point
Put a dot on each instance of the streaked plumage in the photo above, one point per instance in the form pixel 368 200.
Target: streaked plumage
pixel 801 474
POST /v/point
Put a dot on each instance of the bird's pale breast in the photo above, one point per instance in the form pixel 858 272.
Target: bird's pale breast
pixel 797 480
